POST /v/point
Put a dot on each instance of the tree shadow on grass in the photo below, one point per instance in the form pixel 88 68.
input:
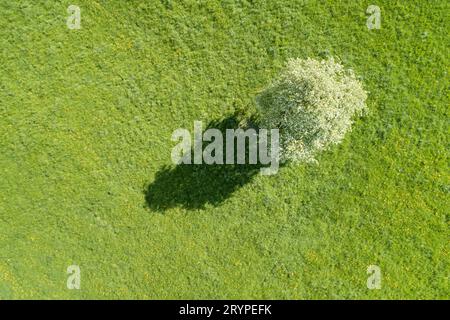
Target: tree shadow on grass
pixel 193 186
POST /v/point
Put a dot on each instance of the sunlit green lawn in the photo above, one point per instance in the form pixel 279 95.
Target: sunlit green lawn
pixel 86 118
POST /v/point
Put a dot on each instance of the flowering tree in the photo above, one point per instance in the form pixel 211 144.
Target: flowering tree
pixel 312 103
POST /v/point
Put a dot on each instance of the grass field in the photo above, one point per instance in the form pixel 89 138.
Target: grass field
pixel 86 118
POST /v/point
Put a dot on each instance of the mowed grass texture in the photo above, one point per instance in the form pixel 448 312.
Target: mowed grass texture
pixel 86 118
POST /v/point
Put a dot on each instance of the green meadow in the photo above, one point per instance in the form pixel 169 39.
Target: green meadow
pixel 86 177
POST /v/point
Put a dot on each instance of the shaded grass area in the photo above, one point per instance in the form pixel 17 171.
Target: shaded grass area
pixel 86 118
pixel 192 186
